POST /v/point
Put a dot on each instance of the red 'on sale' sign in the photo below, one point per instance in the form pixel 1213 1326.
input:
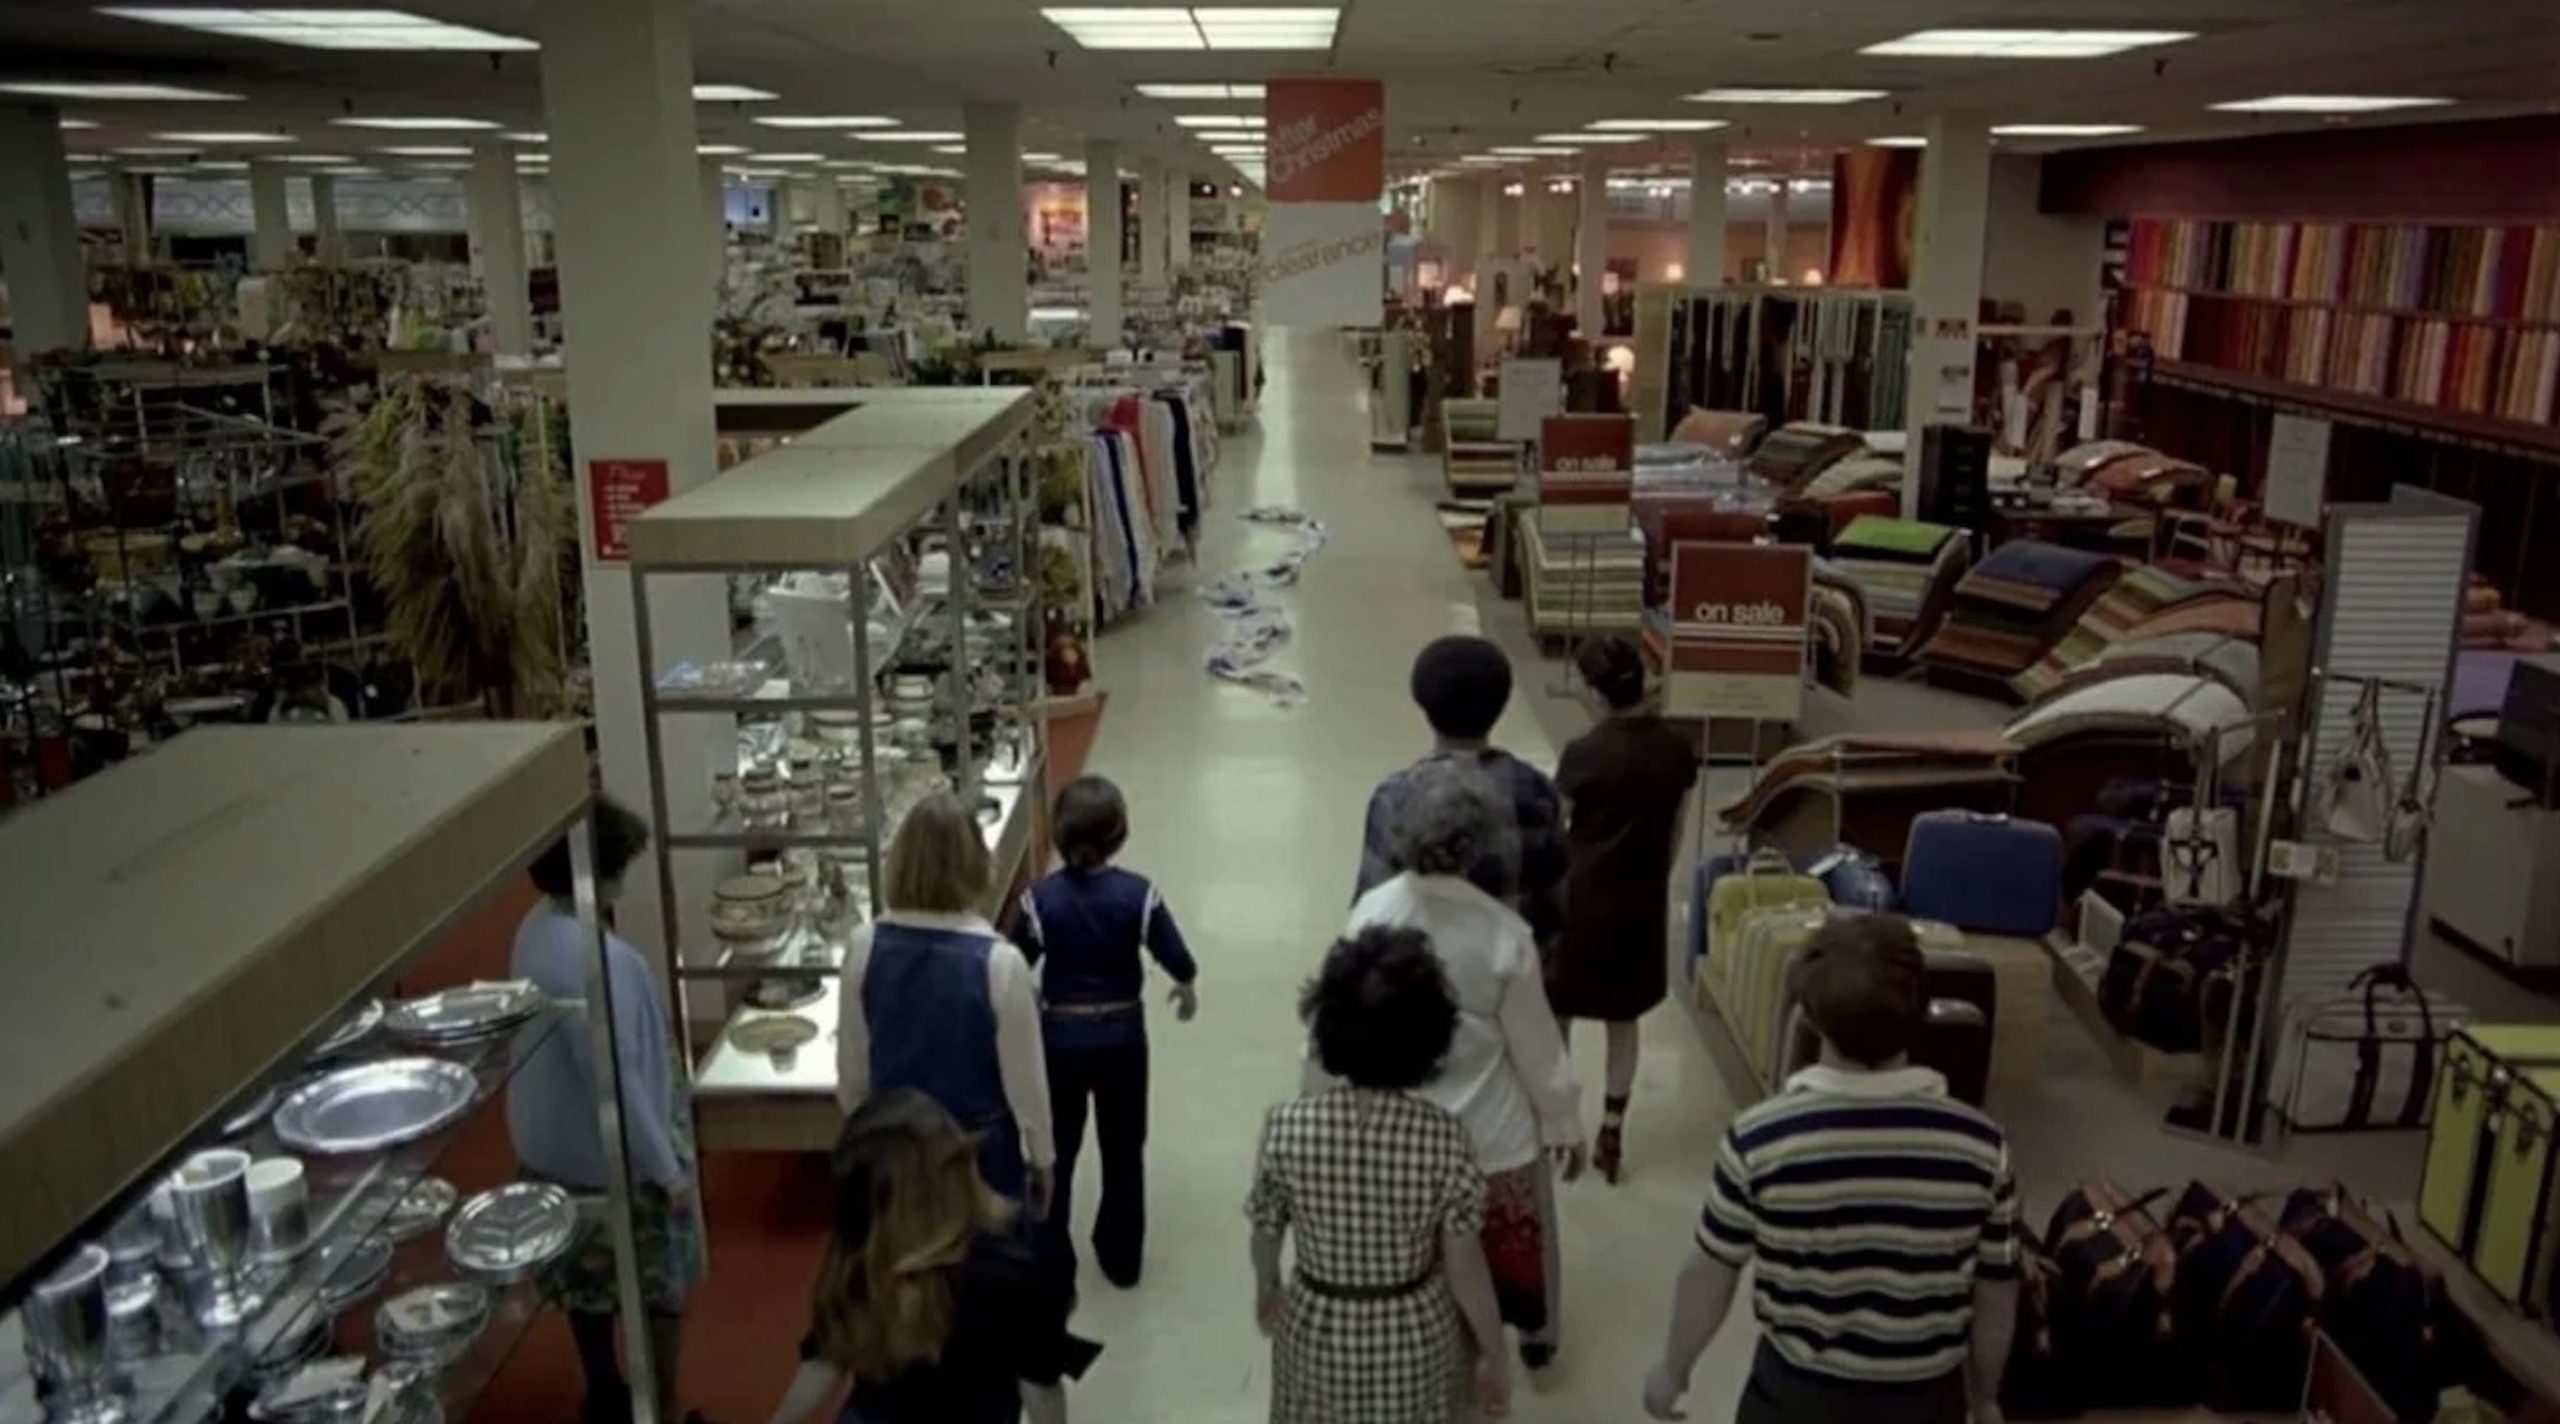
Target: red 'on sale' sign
pixel 617 492
pixel 1327 140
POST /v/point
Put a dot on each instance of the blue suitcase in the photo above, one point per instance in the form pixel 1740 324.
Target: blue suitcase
pixel 1989 874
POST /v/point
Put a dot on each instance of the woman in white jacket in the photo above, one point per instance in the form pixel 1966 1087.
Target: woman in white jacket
pixel 1508 1077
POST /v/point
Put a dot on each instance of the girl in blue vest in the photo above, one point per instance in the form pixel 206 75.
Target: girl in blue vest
pixel 937 1001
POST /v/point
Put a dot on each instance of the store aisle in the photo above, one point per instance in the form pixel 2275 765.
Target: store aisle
pixel 1248 817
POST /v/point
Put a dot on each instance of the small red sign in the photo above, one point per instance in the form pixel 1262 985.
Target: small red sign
pixel 1328 140
pixel 1586 444
pixel 617 492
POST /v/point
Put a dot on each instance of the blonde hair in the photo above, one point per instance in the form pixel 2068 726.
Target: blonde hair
pixel 909 1204
pixel 938 861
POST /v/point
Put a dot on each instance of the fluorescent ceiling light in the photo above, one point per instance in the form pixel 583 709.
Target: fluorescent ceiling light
pixel 826 121
pixel 719 150
pixel 786 157
pixel 442 167
pixel 222 136
pixel 526 137
pixel 74 125
pixel 1528 151
pixel 1201 91
pixel 732 94
pixel 1656 126
pixel 314 158
pixel 426 151
pixel 1222 121
pixel 1186 28
pixel 1040 157
pixel 150 151
pixel 352 172
pixel 916 136
pixel 1591 138
pixel 2064 130
pixel 324 29
pixel 951 148
pixel 112 93
pixel 222 165
pixel 2024 44
pixel 1784 96
pixel 2325 104
pixel 846 163
pixel 1899 141
pixel 414 123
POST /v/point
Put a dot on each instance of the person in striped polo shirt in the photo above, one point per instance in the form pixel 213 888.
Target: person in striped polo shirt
pixel 1879 1214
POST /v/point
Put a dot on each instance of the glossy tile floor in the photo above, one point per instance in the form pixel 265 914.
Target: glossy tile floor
pixel 1248 817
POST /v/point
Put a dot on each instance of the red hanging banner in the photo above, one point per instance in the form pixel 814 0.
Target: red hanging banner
pixel 1327 140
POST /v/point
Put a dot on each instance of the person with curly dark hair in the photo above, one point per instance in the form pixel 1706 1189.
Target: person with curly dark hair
pixel 1623 783
pixel 1381 1193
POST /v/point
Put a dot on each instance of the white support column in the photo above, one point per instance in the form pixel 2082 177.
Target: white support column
pixel 494 205
pixel 40 235
pixel 712 192
pixel 1709 157
pixel 1591 245
pixel 1102 242
pixel 329 240
pixel 1177 220
pixel 617 98
pixel 999 275
pixel 1489 250
pixel 1151 211
pixel 828 211
pixel 1555 213
pixel 133 215
pixel 271 224
pixel 1773 241
pixel 1946 280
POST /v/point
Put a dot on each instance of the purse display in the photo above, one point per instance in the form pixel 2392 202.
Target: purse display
pixel 2200 841
pixel 2354 799
pixel 2366 1057
pixel 2410 815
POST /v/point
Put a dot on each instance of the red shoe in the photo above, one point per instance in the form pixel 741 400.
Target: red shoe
pixel 1608 1151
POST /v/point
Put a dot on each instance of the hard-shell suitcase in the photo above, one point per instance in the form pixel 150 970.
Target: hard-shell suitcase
pixel 1767 880
pixel 2485 1188
pixel 1855 879
pixel 1763 950
pixel 1993 874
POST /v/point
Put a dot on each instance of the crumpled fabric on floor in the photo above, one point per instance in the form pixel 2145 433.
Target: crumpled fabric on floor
pixel 1255 629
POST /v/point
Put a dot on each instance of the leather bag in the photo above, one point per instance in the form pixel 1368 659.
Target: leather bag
pixel 2115 1315
pixel 2246 1298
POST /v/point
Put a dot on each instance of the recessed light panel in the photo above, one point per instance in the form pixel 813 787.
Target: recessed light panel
pixel 527 137
pixel 2024 44
pixel 2065 130
pixel 1656 126
pixel 420 124
pixel 313 158
pixel 786 157
pixel 323 29
pixel 223 136
pixel 426 151
pixel 152 151
pixel 718 150
pixel 75 125
pixel 826 121
pixel 1899 141
pixel 951 148
pixel 1221 121
pixel 113 93
pixel 916 136
pixel 1785 96
pixel 2326 104
pixel 1603 137
pixel 221 165
pixel 1201 91
pixel 732 94
pixel 1183 28
pixel 1539 151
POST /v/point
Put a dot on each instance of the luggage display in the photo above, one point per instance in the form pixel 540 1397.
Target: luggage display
pixel 1765 879
pixel 1995 874
pixel 2244 1297
pixel 2379 1300
pixel 2364 1058
pixel 1755 960
pixel 2169 980
pixel 2042 1382
pixel 1855 879
pixel 2490 1136
pixel 1963 1000
pixel 2115 1315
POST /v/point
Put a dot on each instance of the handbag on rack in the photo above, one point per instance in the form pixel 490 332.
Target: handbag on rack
pixel 2114 1314
pixel 2356 790
pixel 2245 1298
pixel 2366 1057
pixel 2416 806
pixel 2200 841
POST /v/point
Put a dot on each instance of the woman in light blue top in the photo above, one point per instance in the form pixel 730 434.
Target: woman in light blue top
pixel 551 1113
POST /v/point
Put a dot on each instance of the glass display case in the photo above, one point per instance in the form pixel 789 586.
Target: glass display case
pixel 885 643
pixel 246 1176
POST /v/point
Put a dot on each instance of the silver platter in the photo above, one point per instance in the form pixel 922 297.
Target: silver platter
pixel 509 1232
pixel 354 1274
pixel 420 1208
pixel 252 1112
pixel 375 1105
pixel 352 1030
pixel 465 1014
pixel 434 1323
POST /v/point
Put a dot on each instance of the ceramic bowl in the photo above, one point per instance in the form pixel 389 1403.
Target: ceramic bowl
pixel 750 907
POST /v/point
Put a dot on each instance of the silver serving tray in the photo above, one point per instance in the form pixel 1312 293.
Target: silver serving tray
pixel 354 1274
pixel 252 1112
pixel 352 1030
pixel 464 1014
pixel 372 1106
pixel 435 1323
pixel 420 1208
pixel 509 1232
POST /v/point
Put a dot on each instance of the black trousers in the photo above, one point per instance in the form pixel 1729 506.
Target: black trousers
pixel 1110 1084
pixel 1781 1393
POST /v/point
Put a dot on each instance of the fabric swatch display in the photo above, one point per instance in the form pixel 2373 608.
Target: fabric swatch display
pixel 1906 568
pixel 2133 598
pixel 2015 605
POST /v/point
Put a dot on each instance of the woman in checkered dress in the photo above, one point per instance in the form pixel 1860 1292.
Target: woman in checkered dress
pixel 1380 1193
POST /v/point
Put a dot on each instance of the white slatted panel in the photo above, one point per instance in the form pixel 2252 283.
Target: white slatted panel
pixel 2395 592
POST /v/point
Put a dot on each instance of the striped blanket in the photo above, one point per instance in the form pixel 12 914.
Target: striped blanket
pixel 2015 606
pixel 2137 595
